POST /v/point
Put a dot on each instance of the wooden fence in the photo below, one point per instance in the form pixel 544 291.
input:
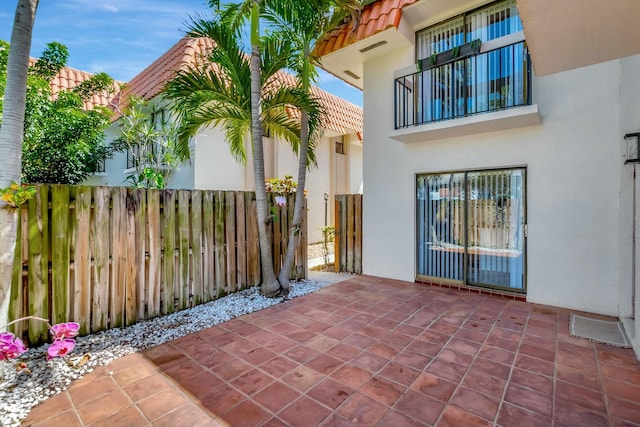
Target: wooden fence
pixel 348 238
pixel 107 257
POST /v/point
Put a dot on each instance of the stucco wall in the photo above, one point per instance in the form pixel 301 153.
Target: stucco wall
pixel 214 166
pixel 573 165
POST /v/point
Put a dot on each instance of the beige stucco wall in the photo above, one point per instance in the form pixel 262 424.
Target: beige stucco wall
pixel 573 161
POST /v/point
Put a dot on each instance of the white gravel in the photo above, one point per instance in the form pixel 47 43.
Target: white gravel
pixel 20 391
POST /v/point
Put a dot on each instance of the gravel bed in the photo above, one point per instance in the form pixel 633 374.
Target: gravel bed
pixel 20 390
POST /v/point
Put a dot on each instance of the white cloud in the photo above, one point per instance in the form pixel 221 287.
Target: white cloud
pixel 110 8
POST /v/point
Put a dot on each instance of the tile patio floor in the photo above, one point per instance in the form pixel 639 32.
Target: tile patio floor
pixel 366 351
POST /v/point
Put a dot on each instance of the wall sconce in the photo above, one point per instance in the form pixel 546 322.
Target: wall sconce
pixel 633 155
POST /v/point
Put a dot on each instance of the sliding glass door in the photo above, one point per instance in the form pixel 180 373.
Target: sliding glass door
pixel 470 227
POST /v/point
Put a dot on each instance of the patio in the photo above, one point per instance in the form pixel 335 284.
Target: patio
pixel 366 351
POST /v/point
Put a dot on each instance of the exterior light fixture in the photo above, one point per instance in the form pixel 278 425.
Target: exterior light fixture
pixel 633 155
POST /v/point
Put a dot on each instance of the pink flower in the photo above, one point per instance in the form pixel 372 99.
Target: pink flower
pixel 65 330
pixel 10 346
pixel 280 200
pixel 60 348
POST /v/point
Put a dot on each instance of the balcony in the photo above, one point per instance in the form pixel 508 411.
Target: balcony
pixel 472 84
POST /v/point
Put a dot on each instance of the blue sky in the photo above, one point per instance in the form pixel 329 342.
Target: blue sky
pixel 122 37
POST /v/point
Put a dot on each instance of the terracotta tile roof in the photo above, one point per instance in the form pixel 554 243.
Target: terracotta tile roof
pixel 376 17
pixel 343 116
pixel 68 78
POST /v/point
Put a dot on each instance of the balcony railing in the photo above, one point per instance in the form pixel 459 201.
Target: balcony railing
pixel 488 81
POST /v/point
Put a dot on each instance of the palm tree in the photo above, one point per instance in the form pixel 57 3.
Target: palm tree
pixel 304 23
pixel 11 134
pixel 221 91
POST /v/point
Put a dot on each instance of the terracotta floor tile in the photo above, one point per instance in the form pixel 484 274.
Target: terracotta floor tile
pixel 529 399
pixel 278 366
pixel 627 410
pixel 138 372
pixel 130 416
pixel 276 396
pixel 251 382
pixel 231 369
pixel 302 378
pixel 622 390
pixel 511 415
pixel 579 377
pixel 476 403
pixel 384 350
pixel 383 390
pixel 532 380
pixel 433 386
pixel 535 365
pixel 412 359
pixel 362 410
pixel 419 407
pixel 246 414
pixel 189 415
pixel 304 412
pixel 343 352
pixel 620 374
pixel 330 393
pixel 537 352
pixel 221 398
pixel 456 417
pixel 399 373
pixel 569 414
pixel 497 354
pixel 146 387
pixel 67 418
pixel 302 354
pixel 212 359
pixel 85 393
pixel 274 422
pixel 159 404
pixel 337 333
pixel 258 355
pixel 426 348
pixel 397 339
pixel 396 419
pixel 164 355
pixel 183 372
pixel 56 405
pixel 301 336
pixel 325 364
pixel 359 341
pixel 484 383
pixel 107 405
pixel 464 345
pixel 447 370
pixel 352 376
pixel 584 397
pixel 369 361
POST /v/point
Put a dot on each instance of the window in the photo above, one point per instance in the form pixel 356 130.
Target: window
pixel 457 77
pixel 471 227
pixel 339 147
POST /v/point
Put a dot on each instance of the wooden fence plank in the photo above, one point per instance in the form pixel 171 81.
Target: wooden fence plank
pixel 337 241
pixel 350 233
pixel 219 237
pixel 197 287
pixel 168 250
pixel 60 237
pixel 101 233
pixel 118 256
pixel 142 290
pixel 208 246
pixel 230 226
pixel 253 243
pixel 276 236
pixel 357 247
pixel 241 239
pixel 39 264
pixel 183 289
pixel 132 261
pixel 16 297
pixel 82 260
pixel 155 253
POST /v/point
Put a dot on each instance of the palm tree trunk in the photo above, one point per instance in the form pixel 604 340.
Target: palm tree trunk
pixel 11 136
pixel 270 286
pixel 294 232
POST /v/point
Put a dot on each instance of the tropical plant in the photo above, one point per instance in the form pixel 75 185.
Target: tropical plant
pixel 243 95
pixel 305 23
pixel 150 140
pixel 63 142
pixel 11 134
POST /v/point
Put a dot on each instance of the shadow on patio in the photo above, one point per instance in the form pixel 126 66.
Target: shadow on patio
pixel 366 351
